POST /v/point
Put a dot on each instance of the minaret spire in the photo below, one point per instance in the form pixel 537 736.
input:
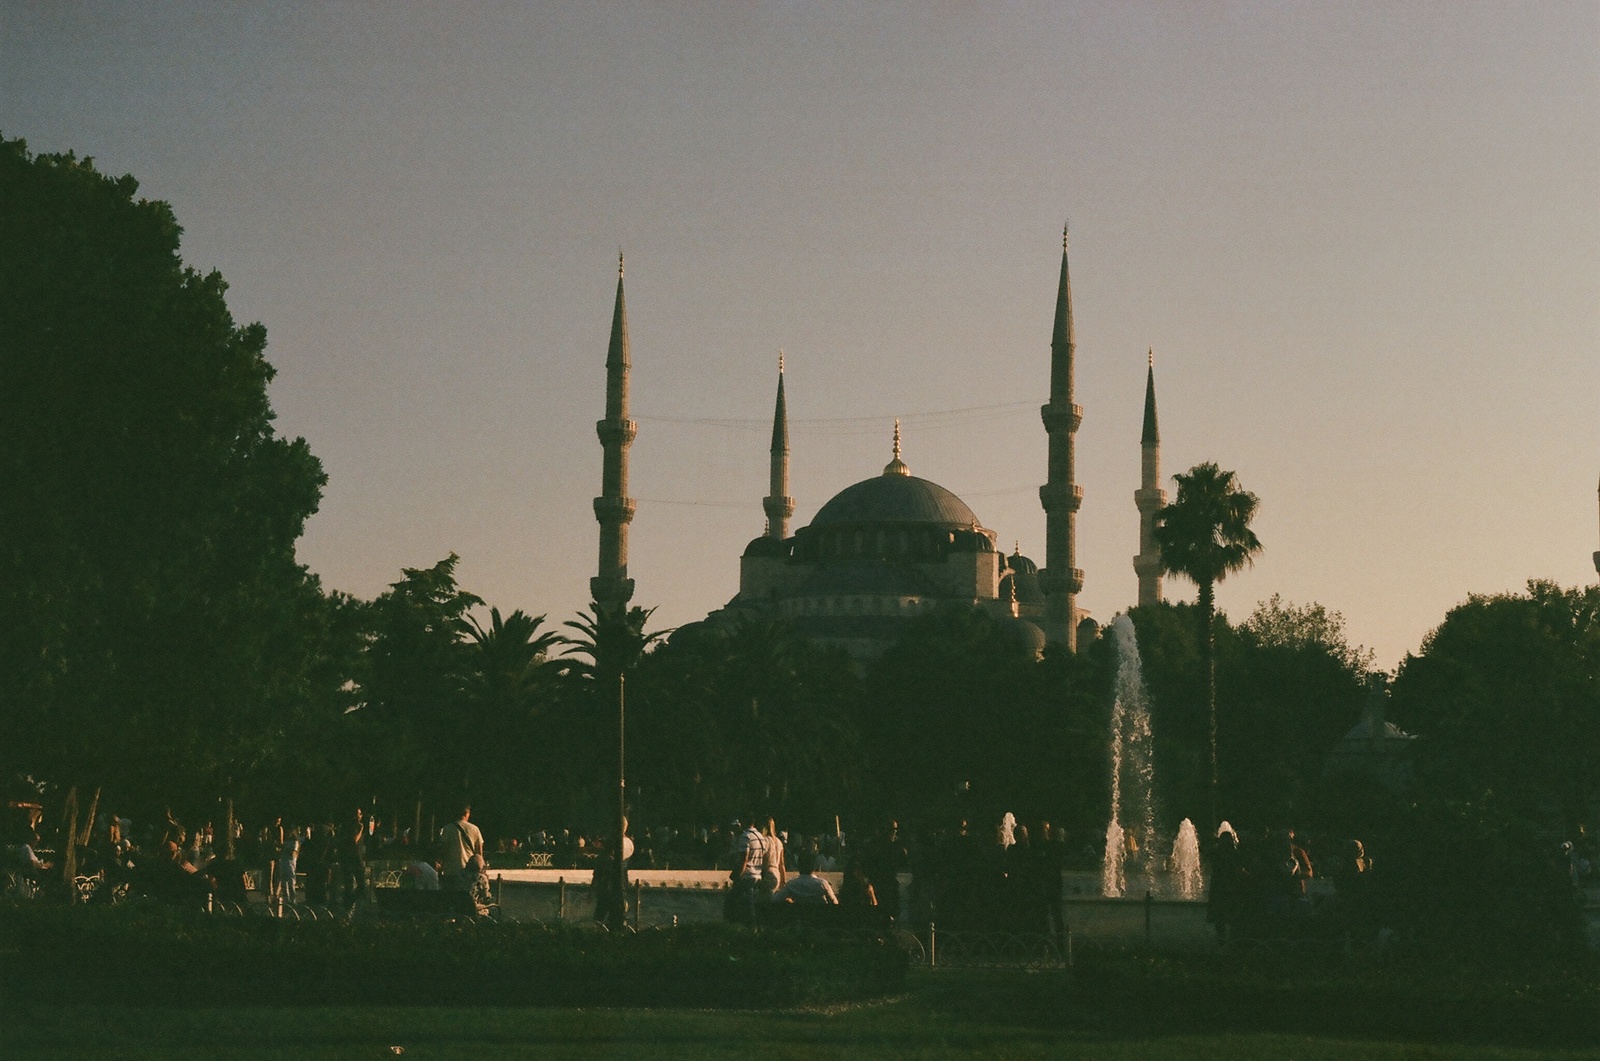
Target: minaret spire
pixel 611 588
pixel 1060 495
pixel 778 505
pixel 1149 498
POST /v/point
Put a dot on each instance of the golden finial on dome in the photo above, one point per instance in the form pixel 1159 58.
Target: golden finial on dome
pixel 780 362
pixel 619 263
pixel 896 466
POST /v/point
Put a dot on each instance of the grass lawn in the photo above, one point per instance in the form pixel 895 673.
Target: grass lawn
pixel 945 1015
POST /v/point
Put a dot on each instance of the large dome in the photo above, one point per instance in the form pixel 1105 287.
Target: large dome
pixel 896 498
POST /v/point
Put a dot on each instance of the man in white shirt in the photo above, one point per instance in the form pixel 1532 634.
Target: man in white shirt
pixel 458 843
pixel 807 889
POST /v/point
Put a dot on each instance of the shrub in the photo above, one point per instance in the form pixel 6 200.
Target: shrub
pixel 147 955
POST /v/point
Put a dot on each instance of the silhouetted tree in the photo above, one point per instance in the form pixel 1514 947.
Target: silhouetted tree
pixel 1205 536
pixel 152 613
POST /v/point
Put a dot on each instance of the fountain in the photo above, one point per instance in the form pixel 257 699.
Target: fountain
pixel 1187 880
pixel 1133 808
pixel 1113 877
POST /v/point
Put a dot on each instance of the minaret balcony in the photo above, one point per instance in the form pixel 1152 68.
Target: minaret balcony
pixel 611 591
pixel 1149 499
pixel 612 431
pixel 1052 584
pixel 1061 416
pixel 1061 497
pixel 1147 565
pixel 608 510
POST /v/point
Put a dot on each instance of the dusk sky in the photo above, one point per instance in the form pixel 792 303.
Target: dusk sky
pixel 1362 239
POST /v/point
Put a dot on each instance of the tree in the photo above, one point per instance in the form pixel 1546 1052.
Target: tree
pixel 408 737
pixel 151 609
pixel 509 683
pixel 1297 687
pixel 758 717
pixel 1505 700
pixel 1205 536
pixel 961 721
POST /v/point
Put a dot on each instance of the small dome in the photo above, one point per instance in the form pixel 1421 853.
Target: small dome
pixel 1027 587
pixel 1021 564
pixel 894 498
pixel 766 545
pixel 1024 635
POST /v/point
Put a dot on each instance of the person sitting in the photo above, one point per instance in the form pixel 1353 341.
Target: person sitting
pixel 170 878
pixel 807 889
pixel 26 865
pixel 859 899
pixel 476 873
pixel 420 876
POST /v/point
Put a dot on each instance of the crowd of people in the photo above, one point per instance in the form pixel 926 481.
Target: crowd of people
pixel 325 864
pixel 1271 884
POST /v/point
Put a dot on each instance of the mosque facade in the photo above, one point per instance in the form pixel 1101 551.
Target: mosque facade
pixel 887 549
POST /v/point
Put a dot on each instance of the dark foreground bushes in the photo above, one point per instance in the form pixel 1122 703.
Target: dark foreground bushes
pixel 155 956
pixel 1307 991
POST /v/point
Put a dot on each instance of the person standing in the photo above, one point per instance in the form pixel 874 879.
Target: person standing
pixel 749 858
pixel 283 884
pixel 353 858
pixel 773 871
pixel 461 842
pixel 610 886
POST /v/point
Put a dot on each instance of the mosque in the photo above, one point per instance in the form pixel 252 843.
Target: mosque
pixel 892 547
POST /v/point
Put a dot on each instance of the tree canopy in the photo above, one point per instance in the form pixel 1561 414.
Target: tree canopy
pixel 1505 696
pixel 150 603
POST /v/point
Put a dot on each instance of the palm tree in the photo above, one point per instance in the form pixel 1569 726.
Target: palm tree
pixel 507 684
pixel 510 654
pixel 612 639
pixel 1205 536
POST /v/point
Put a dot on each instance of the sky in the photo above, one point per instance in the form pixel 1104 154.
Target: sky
pixel 1361 239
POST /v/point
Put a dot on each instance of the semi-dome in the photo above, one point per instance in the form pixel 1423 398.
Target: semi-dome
pixel 896 498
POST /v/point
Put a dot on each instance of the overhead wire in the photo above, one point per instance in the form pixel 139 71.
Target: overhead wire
pixel 844 427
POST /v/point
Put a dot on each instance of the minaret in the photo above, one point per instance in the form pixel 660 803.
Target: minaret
pixel 1060 495
pixel 612 588
pixel 1597 563
pixel 1149 498
pixel 779 505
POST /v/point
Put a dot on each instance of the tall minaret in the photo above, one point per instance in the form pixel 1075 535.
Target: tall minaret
pixel 1597 563
pixel 779 505
pixel 1149 498
pixel 1060 495
pixel 612 588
